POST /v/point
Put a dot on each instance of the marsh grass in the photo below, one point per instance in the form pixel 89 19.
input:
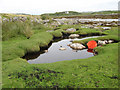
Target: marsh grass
pixel 14 29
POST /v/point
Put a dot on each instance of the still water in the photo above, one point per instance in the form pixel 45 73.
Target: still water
pixel 55 55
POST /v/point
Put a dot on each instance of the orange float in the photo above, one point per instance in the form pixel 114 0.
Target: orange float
pixel 92 44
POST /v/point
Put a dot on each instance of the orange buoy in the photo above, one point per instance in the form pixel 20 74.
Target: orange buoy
pixel 92 44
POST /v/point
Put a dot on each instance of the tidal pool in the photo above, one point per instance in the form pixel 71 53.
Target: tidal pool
pixel 55 55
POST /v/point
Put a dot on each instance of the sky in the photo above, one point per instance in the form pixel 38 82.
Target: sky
pixel 37 7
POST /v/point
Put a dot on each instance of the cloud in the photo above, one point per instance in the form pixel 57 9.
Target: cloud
pixel 48 6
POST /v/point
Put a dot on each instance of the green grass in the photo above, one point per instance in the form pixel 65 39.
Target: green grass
pixel 110 35
pixel 15 29
pixel 18 48
pixel 99 71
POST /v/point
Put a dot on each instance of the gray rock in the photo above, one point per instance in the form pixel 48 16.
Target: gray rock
pixel 15 18
pixel 49 30
pixel 77 46
pixel 106 28
pixel 74 36
pixel 71 30
pixel 5 19
pixel 102 42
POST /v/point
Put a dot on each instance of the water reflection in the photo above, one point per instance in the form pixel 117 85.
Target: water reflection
pixel 90 50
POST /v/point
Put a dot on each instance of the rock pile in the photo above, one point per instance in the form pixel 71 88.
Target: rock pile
pixel 100 42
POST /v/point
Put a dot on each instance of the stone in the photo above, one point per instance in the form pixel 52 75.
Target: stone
pixel 106 28
pixel 77 46
pixel 110 41
pixel 71 30
pixel 108 24
pixel 62 49
pixel 45 21
pixel 74 36
pixel 5 19
pixel 15 18
pixel 84 27
pixel 96 27
pixel 102 42
pixel 45 51
pixel 49 30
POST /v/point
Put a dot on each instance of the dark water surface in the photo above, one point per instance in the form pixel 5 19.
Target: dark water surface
pixel 54 54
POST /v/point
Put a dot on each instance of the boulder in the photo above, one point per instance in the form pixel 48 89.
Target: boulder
pixel 77 46
pixel 74 36
pixel 71 30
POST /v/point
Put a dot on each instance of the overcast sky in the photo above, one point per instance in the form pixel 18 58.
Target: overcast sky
pixel 51 6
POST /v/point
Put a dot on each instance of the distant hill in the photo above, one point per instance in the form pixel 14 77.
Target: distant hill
pixel 73 13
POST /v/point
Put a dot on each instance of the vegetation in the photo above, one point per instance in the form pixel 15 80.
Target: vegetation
pixel 74 13
pixel 100 71
pixel 13 29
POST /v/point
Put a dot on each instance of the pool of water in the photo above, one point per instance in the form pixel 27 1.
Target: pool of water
pixel 55 55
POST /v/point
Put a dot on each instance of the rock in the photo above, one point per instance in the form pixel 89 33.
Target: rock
pixel 110 41
pixel 68 45
pixel 77 46
pixel 62 49
pixel 45 51
pixel 49 30
pixel 114 24
pixel 60 46
pixel 5 19
pixel 45 21
pixel 108 25
pixel 96 27
pixel 74 50
pixel 73 36
pixel 15 18
pixel 71 40
pixel 71 30
pixel 84 27
pixel 106 28
pixel 90 26
pixel 100 24
pixel 102 42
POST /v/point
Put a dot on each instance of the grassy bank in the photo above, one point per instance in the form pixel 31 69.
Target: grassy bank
pixel 98 71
